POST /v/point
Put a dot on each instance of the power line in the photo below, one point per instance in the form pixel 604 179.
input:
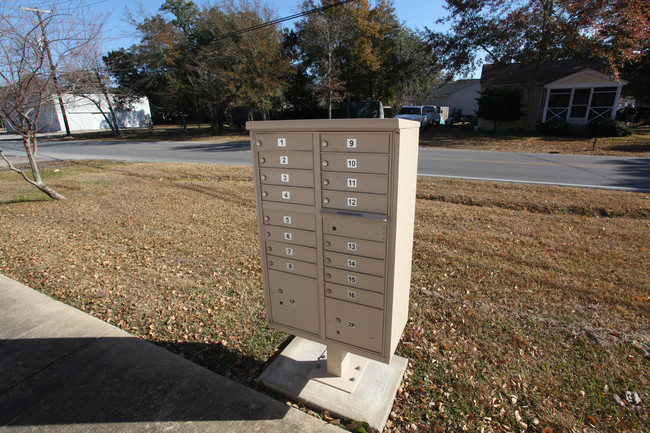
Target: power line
pixel 281 20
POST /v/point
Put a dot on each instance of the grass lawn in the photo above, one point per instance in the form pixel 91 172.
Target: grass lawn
pixel 530 306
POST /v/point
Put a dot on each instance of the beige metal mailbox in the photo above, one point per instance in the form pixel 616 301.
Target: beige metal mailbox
pixel 335 205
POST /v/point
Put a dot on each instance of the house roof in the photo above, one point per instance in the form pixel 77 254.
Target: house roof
pixel 552 70
pixel 451 88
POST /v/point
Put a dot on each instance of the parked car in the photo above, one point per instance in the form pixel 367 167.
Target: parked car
pixel 456 116
pixel 641 115
pixel 414 112
pixel 433 114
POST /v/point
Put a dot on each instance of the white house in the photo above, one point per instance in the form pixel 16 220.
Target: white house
pixel 459 94
pixel 574 91
pixel 91 112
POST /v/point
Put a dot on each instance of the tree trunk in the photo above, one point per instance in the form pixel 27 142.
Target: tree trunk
pixel 37 182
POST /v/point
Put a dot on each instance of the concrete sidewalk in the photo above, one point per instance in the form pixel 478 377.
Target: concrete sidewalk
pixel 62 370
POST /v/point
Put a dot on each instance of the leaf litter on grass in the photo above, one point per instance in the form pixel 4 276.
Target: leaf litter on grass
pixel 529 305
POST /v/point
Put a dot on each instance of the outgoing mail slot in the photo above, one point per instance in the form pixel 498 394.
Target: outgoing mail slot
pixel 294 301
pixel 354 324
pixel 352 262
pixel 288 194
pixel 355 227
pixel 348 163
pixel 298 252
pixel 354 279
pixel 355 142
pixel 360 247
pixel 356 296
pixel 288 219
pixel 284 141
pixel 278 176
pixel 354 201
pixel 368 183
pixel 290 236
pixel 286 160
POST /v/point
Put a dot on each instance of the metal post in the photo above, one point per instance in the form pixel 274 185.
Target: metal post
pixel 337 361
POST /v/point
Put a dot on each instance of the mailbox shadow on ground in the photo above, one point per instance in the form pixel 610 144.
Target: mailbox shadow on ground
pixel 54 381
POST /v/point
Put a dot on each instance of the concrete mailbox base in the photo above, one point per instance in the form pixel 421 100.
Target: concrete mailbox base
pixel 370 401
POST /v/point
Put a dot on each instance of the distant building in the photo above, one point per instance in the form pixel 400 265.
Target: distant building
pixel 574 91
pixel 89 113
pixel 459 94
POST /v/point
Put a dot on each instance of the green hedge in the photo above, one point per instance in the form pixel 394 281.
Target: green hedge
pixel 608 128
pixel 557 128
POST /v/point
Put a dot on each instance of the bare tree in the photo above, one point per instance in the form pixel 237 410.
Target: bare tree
pixel 34 48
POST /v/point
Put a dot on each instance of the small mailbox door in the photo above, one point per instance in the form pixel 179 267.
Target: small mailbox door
pixel 294 301
pixel 354 324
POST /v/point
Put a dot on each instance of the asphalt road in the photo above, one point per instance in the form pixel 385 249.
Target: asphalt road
pixel 629 174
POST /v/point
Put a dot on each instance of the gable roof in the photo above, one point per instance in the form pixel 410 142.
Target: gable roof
pixel 455 87
pixel 552 70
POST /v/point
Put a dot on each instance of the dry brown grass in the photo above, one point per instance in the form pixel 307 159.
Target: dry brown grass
pixel 529 305
pixel 464 138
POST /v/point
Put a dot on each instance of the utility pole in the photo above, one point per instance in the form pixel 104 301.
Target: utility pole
pixel 52 66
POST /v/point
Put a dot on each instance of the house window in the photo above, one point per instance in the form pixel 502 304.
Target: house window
pixel 580 104
pixel 602 101
pixel 558 104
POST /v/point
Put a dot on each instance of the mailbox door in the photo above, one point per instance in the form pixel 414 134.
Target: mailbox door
pixel 355 182
pixel 288 219
pixel 288 177
pixel 294 301
pixel 355 296
pixel 361 163
pixel 284 141
pixel 360 247
pixel 354 324
pixel 355 142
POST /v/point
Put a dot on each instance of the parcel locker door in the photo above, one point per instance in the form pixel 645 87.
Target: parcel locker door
pixel 354 324
pixel 294 301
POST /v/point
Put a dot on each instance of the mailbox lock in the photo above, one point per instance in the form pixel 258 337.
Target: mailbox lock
pixel 262 160
pixel 325 163
pixel 270 248
pixel 328 260
pixel 258 143
pixel 326 182
pixel 263 177
pixel 329 291
pixel 328 275
pixel 328 244
pixel 270 262
pixel 268 234
pixel 264 194
pixel 280 291
pixel 266 218
pixel 324 144
pixel 333 228
pixel 326 200
pixel 338 320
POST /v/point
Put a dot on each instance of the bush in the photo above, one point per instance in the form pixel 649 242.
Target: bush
pixel 557 128
pixel 608 128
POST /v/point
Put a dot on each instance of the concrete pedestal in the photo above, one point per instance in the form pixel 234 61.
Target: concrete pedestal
pixel 372 398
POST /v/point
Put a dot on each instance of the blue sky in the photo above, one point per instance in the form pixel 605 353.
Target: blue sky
pixel 416 14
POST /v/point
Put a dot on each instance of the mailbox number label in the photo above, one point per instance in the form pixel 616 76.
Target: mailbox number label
pixel 352 279
pixel 288 236
pixel 351 163
pixel 284 160
pixel 352 246
pixel 284 177
pixel 290 266
pixel 286 195
pixel 352 263
pixel 289 251
pixel 282 142
pixel 352 201
pixel 352 325
pixel 352 295
pixel 351 143
pixel 352 183
pixel 286 219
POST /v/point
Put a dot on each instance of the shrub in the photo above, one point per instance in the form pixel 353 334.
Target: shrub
pixel 500 104
pixel 558 128
pixel 608 128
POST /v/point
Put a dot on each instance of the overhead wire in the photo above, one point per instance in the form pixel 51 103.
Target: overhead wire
pixel 281 20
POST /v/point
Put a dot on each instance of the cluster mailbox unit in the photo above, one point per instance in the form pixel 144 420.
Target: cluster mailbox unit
pixel 336 204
